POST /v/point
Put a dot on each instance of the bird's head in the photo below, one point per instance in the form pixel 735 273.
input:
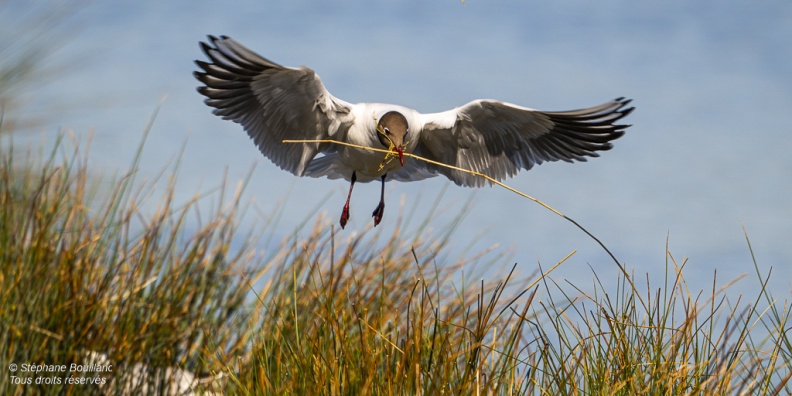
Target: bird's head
pixel 392 131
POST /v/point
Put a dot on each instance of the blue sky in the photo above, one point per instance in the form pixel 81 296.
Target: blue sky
pixel 707 153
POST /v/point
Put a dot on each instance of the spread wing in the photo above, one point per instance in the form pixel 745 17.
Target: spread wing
pixel 271 102
pixel 498 139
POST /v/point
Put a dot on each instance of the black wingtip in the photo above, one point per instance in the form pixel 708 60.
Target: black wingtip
pixel 627 111
pixel 622 111
pixel 211 42
pixel 625 102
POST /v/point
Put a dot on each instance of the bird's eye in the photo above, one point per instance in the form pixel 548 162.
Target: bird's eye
pixel 387 131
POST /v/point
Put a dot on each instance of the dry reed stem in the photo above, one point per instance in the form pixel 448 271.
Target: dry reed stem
pixel 488 178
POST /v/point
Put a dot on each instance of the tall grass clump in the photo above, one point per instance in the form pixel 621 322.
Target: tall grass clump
pixel 85 275
pixel 381 317
pixel 663 340
pixel 358 320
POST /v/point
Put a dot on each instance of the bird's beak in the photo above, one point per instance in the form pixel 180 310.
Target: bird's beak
pixel 400 150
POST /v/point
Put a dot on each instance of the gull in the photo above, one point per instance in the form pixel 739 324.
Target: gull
pixel 274 103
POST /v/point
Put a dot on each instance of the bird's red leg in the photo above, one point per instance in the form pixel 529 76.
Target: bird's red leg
pixel 378 212
pixel 345 212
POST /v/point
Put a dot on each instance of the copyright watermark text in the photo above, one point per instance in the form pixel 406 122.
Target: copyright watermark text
pixel 59 374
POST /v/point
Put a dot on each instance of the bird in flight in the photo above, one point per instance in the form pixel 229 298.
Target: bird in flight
pixel 274 103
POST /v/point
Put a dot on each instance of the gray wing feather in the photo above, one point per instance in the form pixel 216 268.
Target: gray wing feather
pixel 413 170
pixel 499 139
pixel 271 102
